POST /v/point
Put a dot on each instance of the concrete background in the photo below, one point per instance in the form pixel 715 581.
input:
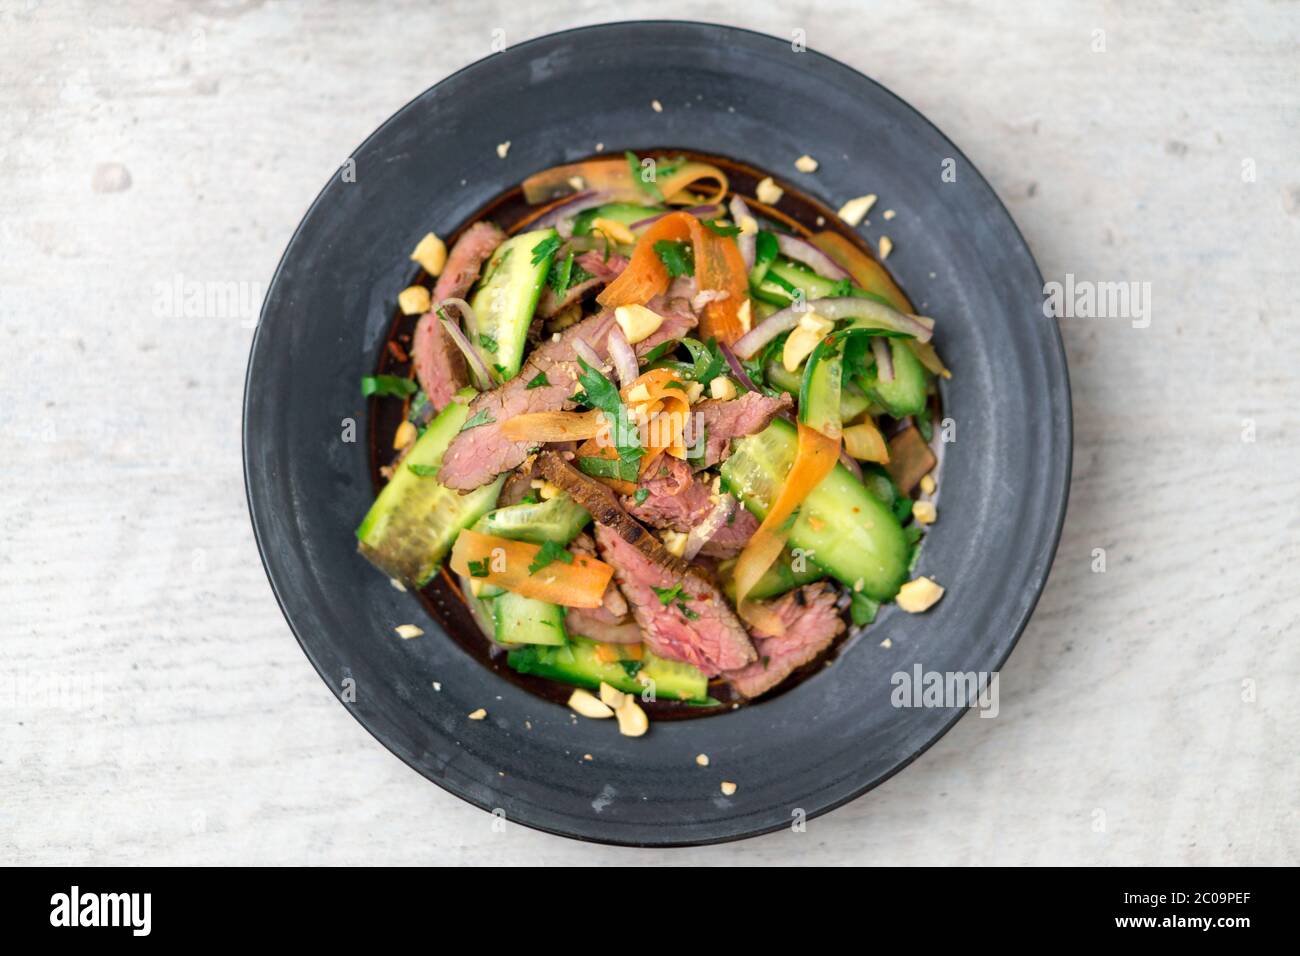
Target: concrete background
pixel 1148 715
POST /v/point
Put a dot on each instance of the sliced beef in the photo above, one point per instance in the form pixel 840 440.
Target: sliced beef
pixel 613 609
pixel 724 420
pixel 602 272
pixel 680 502
pixel 679 320
pixel 596 625
pixel 695 625
pixel 439 365
pixel 811 622
pixel 474 247
pixel 478 455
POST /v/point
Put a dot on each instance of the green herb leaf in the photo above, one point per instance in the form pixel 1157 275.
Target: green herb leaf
pixel 641 495
pixel 667 595
pixel 538 380
pixel 545 249
pixel 478 569
pixel 687 612
pixel 388 386
pixel 558 277
pixel 721 228
pixel 600 393
pixel 488 343
pixel 549 553
pixel 631 668
pixel 424 471
pixel 863 609
pixel 707 362
pixel 624 469
pixel 678 257
pixel 647 186
pixel 481 417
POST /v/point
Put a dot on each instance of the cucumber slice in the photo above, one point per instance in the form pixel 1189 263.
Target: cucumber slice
pixel 521 620
pixel 906 394
pixel 414 521
pixel 559 520
pixel 840 525
pixel 765 249
pixel 819 392
pixel 507 297
pixel 852 402
pixel 784 276
pixel 624 212
pixel 779 578
pixel 578 664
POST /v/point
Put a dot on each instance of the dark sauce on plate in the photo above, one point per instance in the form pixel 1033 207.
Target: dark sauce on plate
pixel 442 597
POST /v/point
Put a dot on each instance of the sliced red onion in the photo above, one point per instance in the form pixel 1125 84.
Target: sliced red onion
pixel 477 368
pixel 848 462
pixel 737 369
pixel 748 344
pixel 587 353
pixel 801 250
pixel 710 211
pixel 869 313
pixel 579 202
pixel 739 213
pixel 467 315
pixel 713 522
pixel 623 357
pixel 884 359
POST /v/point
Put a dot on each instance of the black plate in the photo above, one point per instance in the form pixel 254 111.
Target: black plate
pixel 1004 481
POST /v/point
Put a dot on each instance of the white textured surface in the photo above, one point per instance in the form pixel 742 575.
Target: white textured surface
pixel 126 556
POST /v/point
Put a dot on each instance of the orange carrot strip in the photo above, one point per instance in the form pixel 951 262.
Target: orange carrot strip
pixel 553 426
pixel 814 460
pixel 506 563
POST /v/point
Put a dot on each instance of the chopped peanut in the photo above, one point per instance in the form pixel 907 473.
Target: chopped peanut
pixel 919 595
pixel 407 631
pixel 614 230
pixel 414 300
pixel 637 322
pixel 886 247
pixel 632 721
pixel 587 704
pixel 924 512
pixel 478 714
pixel 722 388
pixel 728 788
pixel 406 433
pixel 431 253
pixel 855 210
pixel 927 485
pixel 612 696
pixel 769 192
pixel 806 164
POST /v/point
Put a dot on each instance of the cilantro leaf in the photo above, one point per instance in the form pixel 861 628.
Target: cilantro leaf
pixel 863 609
pixel 538 380
pixel 707 361
pixel 721 228
pixel 388 386
pixel 631 668
pixel 624 469
pixel 549 553
pixel 600 393
pixel 641 495
pixel 545 249
pixel 677 257
pixel 424 471
pixel 478 569
pixel 687 612
pixel 647 186
pixel 481 417
pixel 667 595
pixel 488 342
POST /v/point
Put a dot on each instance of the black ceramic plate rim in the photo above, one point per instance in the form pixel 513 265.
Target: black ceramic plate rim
pixel 1057 506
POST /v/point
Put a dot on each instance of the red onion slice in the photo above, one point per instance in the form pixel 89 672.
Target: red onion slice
pixel 467 315
pixel 747 243
pixel 587 353
pixel 713 522
pixel 801 250
pixel 869 313
pixel 884 359
pixel 737 369
pixel 579 202
pixel 623 357
pixel 710 211
pixel 477 368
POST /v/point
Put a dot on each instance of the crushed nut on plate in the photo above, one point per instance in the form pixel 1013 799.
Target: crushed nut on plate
pixel 728 788
pixel 408 631
pixel 806 164
pixel 478 714
pixel 855 210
